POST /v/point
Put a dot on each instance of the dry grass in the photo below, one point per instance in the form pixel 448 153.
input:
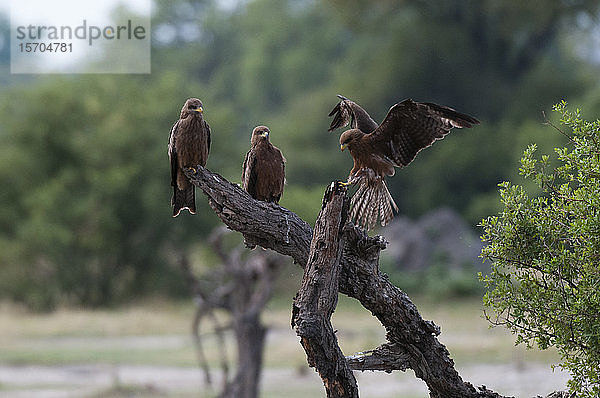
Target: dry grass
pixel 156 334
pixel 464 332
pixel 149 318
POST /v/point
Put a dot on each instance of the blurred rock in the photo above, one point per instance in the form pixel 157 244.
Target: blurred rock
pixel 440 236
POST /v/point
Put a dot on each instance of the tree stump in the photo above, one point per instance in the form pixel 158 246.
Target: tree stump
pixel 317 298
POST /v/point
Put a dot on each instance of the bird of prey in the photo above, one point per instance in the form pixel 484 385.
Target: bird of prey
pixel 263 172
pixel 189 143
pixel 377 149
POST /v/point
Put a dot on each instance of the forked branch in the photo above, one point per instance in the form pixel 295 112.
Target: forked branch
pixel 411 340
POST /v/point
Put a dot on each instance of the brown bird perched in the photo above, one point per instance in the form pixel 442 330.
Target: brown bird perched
pixel 376 149
pixel 263 172
pixel 189 143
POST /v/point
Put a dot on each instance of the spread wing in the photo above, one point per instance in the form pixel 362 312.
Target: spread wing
pixel 173 153
pixel 411 126
pixel 347 112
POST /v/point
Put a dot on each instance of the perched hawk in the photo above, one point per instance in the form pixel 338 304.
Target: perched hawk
pixel 263 172
pixel 376 149
pixel 189 143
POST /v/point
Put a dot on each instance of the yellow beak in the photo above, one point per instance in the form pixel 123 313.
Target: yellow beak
pixel 342 147
pixel 199 109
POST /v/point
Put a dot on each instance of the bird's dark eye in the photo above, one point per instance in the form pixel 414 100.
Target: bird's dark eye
pixel 192 107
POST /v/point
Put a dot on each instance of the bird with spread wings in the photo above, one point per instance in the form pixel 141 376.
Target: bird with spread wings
pixel 263 172
pixel 408 128
pixel 189 144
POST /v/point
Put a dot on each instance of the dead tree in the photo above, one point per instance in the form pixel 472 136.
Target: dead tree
pixel 241 287
pixel 342 251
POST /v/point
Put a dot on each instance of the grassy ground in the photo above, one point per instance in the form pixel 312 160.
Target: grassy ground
pixel 154 337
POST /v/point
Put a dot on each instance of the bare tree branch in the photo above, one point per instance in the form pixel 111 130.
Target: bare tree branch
pixel 263 224
pixel 201 309
pixel 384 357
pixel 241 286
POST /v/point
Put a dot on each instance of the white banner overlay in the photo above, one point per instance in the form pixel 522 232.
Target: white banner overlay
pixel 73 36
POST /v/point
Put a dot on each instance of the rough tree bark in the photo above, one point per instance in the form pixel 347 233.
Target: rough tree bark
pixel 317 298
pixel 411 341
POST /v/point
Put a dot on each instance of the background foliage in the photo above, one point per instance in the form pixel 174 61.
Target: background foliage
pixel 84 205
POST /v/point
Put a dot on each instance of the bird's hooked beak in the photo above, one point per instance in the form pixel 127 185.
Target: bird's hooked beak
pixel 343 146
pixel 265 134
pixel 199 109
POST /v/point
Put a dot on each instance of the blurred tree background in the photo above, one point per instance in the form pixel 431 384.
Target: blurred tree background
pixel 84 204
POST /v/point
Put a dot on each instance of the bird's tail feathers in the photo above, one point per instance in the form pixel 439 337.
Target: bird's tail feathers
pixel 372 201
pixel 183 199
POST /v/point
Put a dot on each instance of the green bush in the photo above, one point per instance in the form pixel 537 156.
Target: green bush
pixel 544 249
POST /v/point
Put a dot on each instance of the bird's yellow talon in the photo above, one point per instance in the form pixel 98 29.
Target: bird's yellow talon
pixel 343 184
pixel 192 169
